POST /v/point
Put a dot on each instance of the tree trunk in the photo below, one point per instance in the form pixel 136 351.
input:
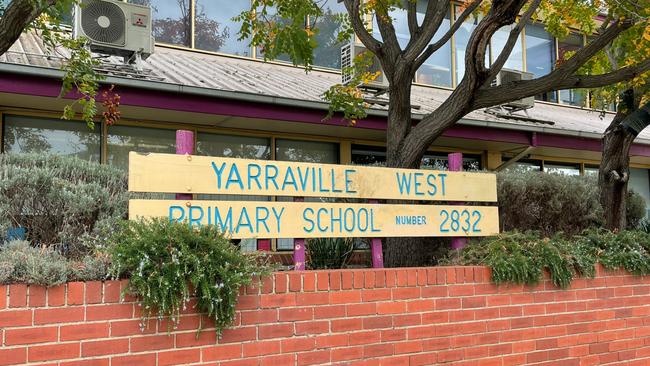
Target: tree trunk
pixel 17 16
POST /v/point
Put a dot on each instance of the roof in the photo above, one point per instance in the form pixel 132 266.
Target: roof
pixel 237 77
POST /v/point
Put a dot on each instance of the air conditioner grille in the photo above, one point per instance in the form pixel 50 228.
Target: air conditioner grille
pixel 103 22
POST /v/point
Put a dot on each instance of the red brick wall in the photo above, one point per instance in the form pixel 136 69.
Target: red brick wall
pixel 368 317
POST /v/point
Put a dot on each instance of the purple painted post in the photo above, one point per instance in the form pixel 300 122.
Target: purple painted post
pixel 376 249
pixel 456 165
pixel 298 247
pixel 184 145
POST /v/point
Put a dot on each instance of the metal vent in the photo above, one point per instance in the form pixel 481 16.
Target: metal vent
pixel 103 22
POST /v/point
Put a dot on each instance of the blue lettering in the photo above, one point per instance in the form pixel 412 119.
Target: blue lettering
pixel 363 221
pixel 372 222
pixel 288 181
pixel 254 177
pixel 234 177
pixel 261 219
pixel 303 179
pixel 223 225
pixel 442 177
pixel 244 215
pixel 310 221
pixel 418 184
pixel 180 218
pixel 334 182
pixel 404 184
pixel 320 181
pixel 318 219
pixel 336 219
pixel 278 216
pixel 271 177
pixel 192 218
pixel 431 182
pixel 348 180
pixel 218 171
pixel 349 219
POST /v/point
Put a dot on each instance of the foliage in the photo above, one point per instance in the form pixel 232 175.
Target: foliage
pixel 22 263
pixel 61 201
pixel 636 209
pixel 548 203
pixel 328 253
pixel 517 257
pixel 168 262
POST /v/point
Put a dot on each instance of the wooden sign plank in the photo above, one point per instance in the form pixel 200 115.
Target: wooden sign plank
pixel 246 219
pixel 169 173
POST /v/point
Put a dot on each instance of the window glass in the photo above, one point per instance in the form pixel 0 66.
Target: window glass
pixel 591 171
pixel 540 55
pixel 368 155
pixel 328 49
pixel 123 139
pixel 440 161
pixel 525 165
pixel 566 47
pixel 271 16
pixel 51 136
pixel 461 38
pixel 436 70
pixel 171 20
pixel 559 168
pixel 516 59
pixel 216 31
pixel 244 147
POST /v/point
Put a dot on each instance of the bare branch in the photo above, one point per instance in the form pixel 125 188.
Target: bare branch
pixel 359 27
pixel 388 36
pixel 433 18
pixel 514 35
pixel 412 17
pixel 487 97
pixel 18 15
pixel 432 48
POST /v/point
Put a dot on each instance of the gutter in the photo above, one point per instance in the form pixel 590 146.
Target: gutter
pixel 48 72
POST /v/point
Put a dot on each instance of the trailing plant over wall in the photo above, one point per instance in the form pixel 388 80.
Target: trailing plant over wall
pixel 329 253
pixel 167 263
pixel 516 257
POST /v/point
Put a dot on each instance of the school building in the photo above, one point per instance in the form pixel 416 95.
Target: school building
pixel 202 78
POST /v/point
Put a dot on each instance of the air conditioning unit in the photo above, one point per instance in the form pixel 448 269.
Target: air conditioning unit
pixel 115 27
pixel 506 76
pixel 348 53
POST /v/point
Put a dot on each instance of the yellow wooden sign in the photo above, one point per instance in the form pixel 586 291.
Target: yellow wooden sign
pixel 171 173
pixel 245 219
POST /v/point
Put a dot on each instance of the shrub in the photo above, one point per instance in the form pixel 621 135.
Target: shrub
pixel 168 262
pixel 60 200
pixel 636 209
pixel 328 253
pixel 22 263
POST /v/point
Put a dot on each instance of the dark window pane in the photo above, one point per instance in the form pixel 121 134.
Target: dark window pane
pixel 328 49
pixel 216 31
pixel 307 151
pixel 540 55
pixel 171 20
pixel 566 47
pixel 51 136
pixel 516 57
pixel 123 139
pixel 368 155
pixel 233 146
pixel 462 38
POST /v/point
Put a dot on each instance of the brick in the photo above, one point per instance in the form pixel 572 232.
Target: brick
pixel 275 331
pixel 15 318
pixel 30 335
pixel 131 327
pixel 221 352
pixel 111 292
pixel 347 354
pixel 75 293
pixel 312 327
pixel 84 331
pixel 275 300
pixel 238 334
pixel 13 356
pixel 94 293
pixel 322 281
pixel 346 280
pixel 37 296
pixel 53 352
pixel 346 325
pixel 378 350
pixel 92 362
pixel 312 298
pixel 345 297
pixel 56 295
pixel 334 340
pixel 259 316
pixel 295 282
pixel 358 279
pixel 134 360
pixel 369 279
pixel 333 311
pixel 377 322
pixel 104 347
pixel 17 296
pixel 109 312
pixel 281 282
pixel 3 296
pixel 191 339
pixel 296 314
pixel 406 293
pixel 179 357
pixel 313 358
pixel 376 295
pixel 309 281
pixel 152 342
pixel 391 307
pixel 277 360
pixel 361 309
pixel 260 348
pixel 365 337
pixel 59 315
pixel 290 345
pixel 335 280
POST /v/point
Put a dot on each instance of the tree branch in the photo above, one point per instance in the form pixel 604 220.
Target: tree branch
pixel 433 18
pixel 514 35
pixel 18 15
pixel 487 97
pixel 412 17
pixel 359 27
pixel 432 48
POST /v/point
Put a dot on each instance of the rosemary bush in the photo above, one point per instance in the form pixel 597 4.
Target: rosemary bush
pixel 168 262
pixel 328 253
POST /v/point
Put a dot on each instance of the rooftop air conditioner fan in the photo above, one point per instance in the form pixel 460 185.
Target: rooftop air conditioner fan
pixel 103 22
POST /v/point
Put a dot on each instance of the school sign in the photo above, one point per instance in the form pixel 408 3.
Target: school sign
pixel 337 214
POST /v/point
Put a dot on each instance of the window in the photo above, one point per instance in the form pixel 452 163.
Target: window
pixel 498 42
pixel 561 168
pixel 368 155
pixel 566 47
pixel 172 21
pixel 461 39
pixel 540 55
pixel 214 29
pixel 525 165
pixel 440 161
pixel 436 70
pixel 51 136
pixel 234 147
pixel 122 139
pixel 591 170
pixel 328 49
